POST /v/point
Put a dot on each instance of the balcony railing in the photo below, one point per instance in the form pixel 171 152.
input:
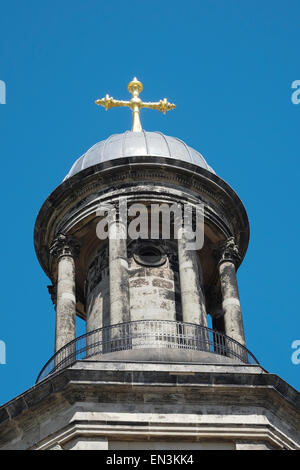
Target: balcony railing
pixel 145 334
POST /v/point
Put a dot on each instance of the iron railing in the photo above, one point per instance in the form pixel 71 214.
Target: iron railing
pixel 146 334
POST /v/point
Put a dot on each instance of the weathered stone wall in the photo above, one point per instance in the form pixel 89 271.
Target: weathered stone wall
pixel 154 290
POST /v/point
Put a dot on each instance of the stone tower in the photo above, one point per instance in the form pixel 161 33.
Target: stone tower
pixel 148 373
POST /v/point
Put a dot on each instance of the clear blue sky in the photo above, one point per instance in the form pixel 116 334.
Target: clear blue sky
pixel 227 64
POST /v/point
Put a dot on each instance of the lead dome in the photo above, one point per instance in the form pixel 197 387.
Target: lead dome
pixel 132 144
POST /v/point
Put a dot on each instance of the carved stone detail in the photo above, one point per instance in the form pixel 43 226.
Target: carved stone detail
pixel 227 251
pixel 64 246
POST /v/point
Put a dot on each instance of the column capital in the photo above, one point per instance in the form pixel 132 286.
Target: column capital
pixel 116 211
pixel 176 217
pixel 64 245
pixel 227 250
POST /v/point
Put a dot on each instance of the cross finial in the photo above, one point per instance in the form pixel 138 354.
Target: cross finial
pixel 135 104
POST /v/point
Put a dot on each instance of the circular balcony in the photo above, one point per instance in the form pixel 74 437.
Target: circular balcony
pixel 150 340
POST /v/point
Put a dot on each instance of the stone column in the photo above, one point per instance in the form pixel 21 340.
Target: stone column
pixel 118 271
pixel 65 249
pixel 118 338
pixel 191 278
pixel 228 256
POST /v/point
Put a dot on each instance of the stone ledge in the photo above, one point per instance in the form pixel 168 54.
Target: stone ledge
pixel 107 375
pixel 90 364
pixel 245 434
pixel 128 400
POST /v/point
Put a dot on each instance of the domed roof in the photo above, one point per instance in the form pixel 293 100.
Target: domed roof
pixel 131 144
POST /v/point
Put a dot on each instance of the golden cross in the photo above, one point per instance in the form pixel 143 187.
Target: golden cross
pixel 135 104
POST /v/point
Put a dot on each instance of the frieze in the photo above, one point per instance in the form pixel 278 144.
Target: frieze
pixel 219 201
pixel 73 217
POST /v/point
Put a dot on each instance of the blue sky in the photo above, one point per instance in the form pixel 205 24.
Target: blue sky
pixel 227 64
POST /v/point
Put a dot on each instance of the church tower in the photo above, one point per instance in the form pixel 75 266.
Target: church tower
pixel 142 240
